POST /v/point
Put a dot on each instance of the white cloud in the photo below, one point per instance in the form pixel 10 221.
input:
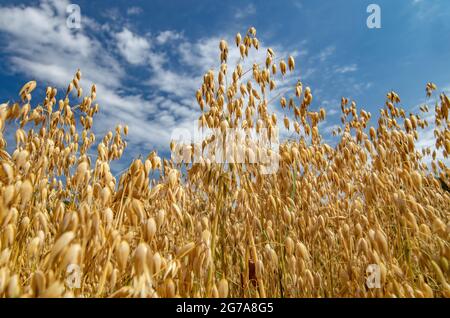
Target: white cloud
pixel 346 69
pixel 326 53
pixel 134 10
pixel 31 25
pixel 308 73
pixel 201 54
pixel 332 112
pixel 427 140
pixel 196 58
pixel 426 136
pixel 53 52
pixel 330 128
pixel 171 82
pixel 331 107
pixel 167 36
pixel 133 48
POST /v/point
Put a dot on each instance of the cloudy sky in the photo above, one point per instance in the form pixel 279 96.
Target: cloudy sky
pixel 148 57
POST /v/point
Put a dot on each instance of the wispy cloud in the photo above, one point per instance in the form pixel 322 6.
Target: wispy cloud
pixel 134 10
pixel 328 129
pixel 298 4
pixel 332 112
pixel 425 10
pixel 346 69
pixel 244 12
pixel 326 53
pixel 332 107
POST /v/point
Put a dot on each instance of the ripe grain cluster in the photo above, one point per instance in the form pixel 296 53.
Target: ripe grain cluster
pixel 207 229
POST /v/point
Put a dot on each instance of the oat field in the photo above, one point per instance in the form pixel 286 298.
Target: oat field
pixel 70 228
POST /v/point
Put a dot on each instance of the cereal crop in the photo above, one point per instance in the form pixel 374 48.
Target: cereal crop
pixel 70 228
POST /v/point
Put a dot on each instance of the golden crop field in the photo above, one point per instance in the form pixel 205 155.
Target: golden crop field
pixel 70 228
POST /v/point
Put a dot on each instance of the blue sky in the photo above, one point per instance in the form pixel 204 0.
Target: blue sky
pixel 147 57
